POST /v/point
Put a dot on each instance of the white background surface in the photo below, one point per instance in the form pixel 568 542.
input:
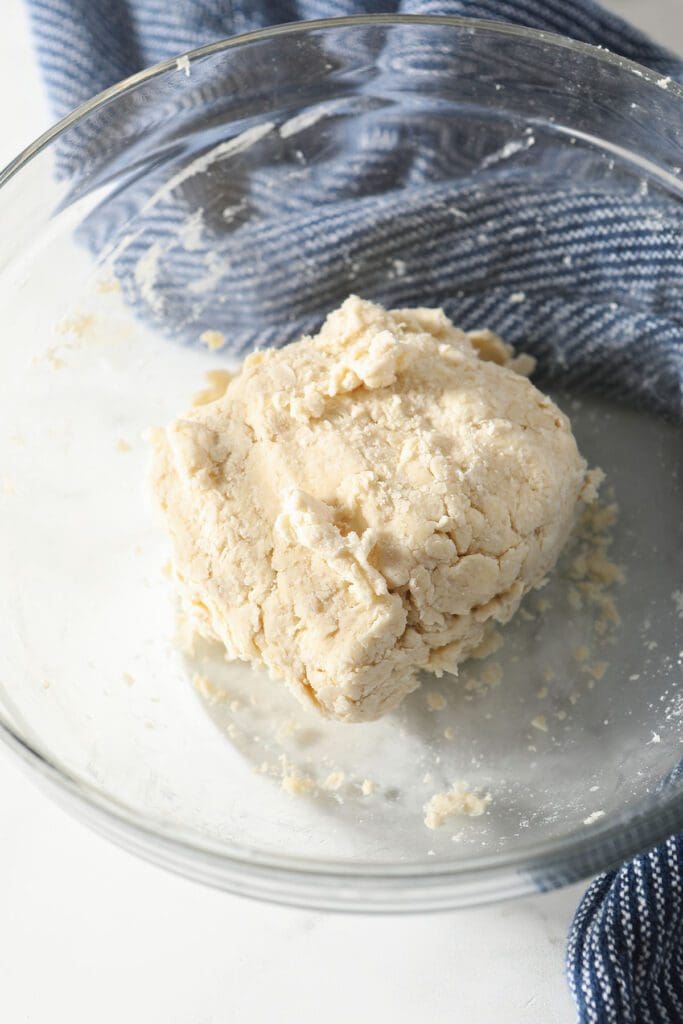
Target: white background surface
pixel 89 934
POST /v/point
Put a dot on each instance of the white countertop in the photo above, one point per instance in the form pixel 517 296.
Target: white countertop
pixel 88 933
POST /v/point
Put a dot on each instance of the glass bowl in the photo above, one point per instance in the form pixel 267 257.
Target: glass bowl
pixel 145 219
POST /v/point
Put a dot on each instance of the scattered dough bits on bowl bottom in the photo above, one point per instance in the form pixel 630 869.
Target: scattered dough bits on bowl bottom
pixel 362 508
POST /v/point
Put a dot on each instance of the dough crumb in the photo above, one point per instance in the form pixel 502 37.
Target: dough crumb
pixel 54 359
pixel 449 733
pixel 297 785
pixel 595 816
pixel 209 691
pixel 368 787
pixel 594 478
pixel 474 685
pixel 122 445
pixel 492 674
pixel 592 572
pixel 293 779
pixel 77 326
pixel 540 722
pixel 286 729
pixel 489 677
pixel 334 781
pixel 107 285
pixel 436 701
pixel 457 800
pixel 598 519
pixel 213 340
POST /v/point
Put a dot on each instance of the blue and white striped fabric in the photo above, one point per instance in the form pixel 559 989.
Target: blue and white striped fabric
pixel 625 950
pixel 571 252
pixel 86 45
pixel 601 273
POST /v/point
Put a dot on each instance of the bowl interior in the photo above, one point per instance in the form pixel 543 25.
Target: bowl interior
pixel 251 197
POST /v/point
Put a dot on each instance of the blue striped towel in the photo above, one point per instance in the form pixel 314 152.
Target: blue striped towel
pixel 605 278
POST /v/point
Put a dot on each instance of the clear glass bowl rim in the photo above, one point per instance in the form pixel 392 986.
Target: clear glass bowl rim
pixel 294 880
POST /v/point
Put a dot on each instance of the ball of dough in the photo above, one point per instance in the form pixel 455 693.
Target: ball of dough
pixel 356 506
